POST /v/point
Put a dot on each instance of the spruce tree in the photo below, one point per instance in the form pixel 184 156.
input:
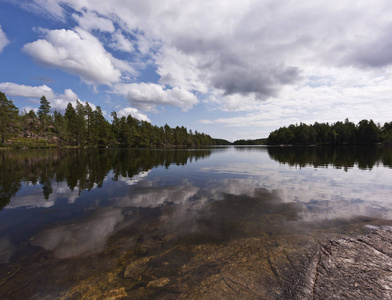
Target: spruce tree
pixel 43 111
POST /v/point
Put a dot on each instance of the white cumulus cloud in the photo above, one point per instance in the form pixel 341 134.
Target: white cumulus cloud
pixel 148 95
pixel 134 113
pixel 77 52
pixel 61 101
pixel 20 90
pixel 58 102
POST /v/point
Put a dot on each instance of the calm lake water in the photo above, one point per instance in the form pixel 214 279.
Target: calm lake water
pixel 126 224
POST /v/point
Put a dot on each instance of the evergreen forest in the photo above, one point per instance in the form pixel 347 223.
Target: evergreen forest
pixel 339 133
pixel 83 126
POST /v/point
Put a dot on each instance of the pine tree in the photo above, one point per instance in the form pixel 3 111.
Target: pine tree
pixel 89 121
pixel 9 114
pixel 43 111
pixel 104 134
pixel 81 123
pixel 60 126
pixel 72 124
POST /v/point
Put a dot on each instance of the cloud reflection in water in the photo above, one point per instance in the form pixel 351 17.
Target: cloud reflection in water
pixel 84 236
pixel 32 196
pixel 143 195
pixel 229 199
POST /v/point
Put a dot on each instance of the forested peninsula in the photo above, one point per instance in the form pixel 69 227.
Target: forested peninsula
pixel 339 133
pixel 83 126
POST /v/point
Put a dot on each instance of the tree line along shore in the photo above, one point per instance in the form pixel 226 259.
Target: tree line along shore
pixel 83 126
pixel 339 133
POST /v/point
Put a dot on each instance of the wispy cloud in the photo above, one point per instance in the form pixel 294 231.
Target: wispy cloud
pixel 3 40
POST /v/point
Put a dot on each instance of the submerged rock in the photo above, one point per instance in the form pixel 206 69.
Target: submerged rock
pixel 137 269
pixel 351 268
pixel 259 265
pixel 158 283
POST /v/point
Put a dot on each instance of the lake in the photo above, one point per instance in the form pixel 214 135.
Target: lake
pixel 187 223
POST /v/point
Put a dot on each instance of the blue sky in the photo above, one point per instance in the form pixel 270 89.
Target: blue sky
pixel 231 69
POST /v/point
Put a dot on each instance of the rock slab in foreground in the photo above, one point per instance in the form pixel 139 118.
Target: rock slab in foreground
pixel 352 268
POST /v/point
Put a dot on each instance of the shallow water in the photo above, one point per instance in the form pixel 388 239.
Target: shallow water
pixel 179 223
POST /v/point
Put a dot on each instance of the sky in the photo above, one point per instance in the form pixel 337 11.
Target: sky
pixel 231 69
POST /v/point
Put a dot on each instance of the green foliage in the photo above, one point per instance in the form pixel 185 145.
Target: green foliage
pixel 60 126
pixel 81 126
pixel 249 142
pixel 8 118
pixel 221 142
pixel 43 111
pixel 31 114
pixel 339 133
pixel 23 143
pixel 72 125
pixel 386 133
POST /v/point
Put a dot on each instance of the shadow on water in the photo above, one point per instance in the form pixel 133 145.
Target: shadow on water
pixel 346 157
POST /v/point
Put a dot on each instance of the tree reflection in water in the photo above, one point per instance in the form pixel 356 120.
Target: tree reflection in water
pixel 346 157
pixel 82 169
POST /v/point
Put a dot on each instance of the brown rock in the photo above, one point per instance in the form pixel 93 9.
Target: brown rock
pixel 158 283
pixel 137 269
pixel 352 268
